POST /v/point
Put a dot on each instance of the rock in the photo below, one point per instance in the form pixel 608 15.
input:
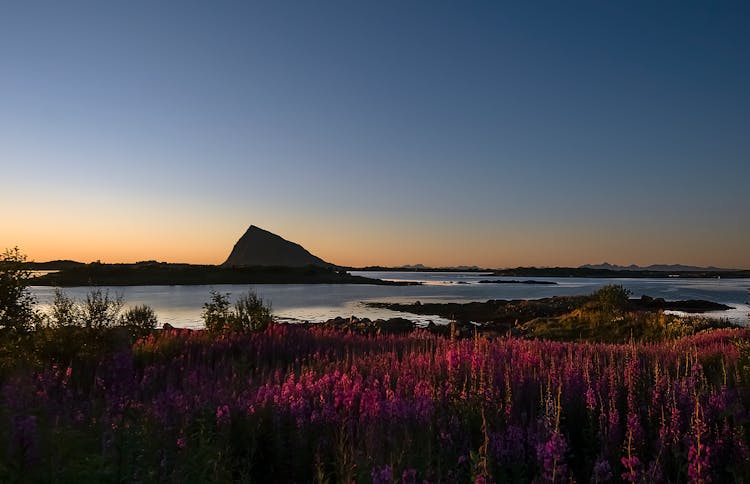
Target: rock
pixel 396 326
pixel 689 306
pixel 258 247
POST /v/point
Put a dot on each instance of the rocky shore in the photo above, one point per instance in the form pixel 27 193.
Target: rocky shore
pixel 508 312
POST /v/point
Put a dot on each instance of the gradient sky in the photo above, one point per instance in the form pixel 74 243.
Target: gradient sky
pixel 442 133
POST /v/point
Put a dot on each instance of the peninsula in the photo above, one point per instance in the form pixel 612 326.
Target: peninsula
pixel 258 257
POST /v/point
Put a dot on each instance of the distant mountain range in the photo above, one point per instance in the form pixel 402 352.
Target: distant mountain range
pixel 602 268
pixel 653 267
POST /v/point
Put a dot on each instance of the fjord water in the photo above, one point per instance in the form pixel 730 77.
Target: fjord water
pixel 181 305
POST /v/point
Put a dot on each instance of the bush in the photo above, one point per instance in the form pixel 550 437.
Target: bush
pixel 612 298
pixel 140 320
pixel 64 311
pixel 92 327
pixel 99 310
pixel 17 314
pixel 216 313
pixel 250 313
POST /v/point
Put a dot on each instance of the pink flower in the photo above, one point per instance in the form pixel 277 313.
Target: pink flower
pixel 222 415
pixel 590 399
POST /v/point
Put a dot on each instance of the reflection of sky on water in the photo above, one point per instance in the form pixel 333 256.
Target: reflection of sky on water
pixel 181 305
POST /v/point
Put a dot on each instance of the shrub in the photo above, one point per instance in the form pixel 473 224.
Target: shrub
pixel 90 328
pixel 251 313
pixel 612 297
pixel 17 314
pixel 99 310
pixel 140 320
pixel 64 311
pixel 216 314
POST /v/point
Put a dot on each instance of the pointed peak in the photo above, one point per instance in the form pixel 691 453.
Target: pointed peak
pixel 254 228
pixel 259 247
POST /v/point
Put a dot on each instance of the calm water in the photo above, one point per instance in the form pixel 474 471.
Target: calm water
pixel 181 305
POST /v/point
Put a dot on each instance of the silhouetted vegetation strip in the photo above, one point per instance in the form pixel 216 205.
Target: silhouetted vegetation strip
pixel 152 273
pixel 53 265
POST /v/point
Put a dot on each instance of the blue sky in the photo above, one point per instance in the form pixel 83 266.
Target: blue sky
pixel 492 133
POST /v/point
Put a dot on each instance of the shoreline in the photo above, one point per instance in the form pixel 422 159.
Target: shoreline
pixel 160 274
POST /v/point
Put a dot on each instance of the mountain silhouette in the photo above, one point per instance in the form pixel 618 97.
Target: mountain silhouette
pixel 258 247
pixel 653 267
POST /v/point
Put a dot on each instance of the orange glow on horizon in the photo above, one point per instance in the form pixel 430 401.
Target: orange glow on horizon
pixel 197 235
pixel 399 248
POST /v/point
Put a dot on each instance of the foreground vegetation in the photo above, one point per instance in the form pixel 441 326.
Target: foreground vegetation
pixel 301 404
pixel 92 393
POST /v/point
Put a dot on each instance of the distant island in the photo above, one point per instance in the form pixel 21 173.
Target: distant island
pixel 262 257
pixel 258 257
pixel 619 273
pixel 514 281
pixel 604 270
pixel 165 274
pixel 421 268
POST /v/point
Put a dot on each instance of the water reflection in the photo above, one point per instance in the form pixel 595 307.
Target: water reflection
pixel 181 305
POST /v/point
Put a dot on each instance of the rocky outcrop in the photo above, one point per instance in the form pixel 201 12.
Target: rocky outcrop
pixel 258 247
pixel 646 303
pixel 368 326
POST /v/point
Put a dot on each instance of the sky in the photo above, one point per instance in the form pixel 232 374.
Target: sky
pixel 495 134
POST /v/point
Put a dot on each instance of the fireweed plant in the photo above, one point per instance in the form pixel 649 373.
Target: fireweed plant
pixel 300 404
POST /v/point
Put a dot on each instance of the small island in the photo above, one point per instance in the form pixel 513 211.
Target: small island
pixel 623 273
pixel 514 281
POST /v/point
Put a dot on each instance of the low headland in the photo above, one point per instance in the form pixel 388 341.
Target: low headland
pixel 258 257
pixel 608 315
pixel 153 273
